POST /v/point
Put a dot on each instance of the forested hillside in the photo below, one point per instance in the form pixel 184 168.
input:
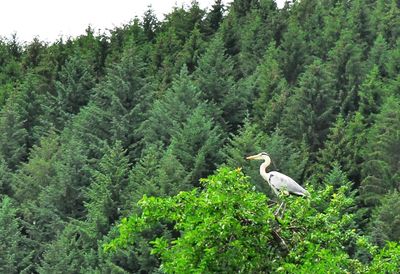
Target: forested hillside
pixel 90 124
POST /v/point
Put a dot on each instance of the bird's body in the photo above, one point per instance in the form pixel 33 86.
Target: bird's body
pixel 282 182
pixel 277 180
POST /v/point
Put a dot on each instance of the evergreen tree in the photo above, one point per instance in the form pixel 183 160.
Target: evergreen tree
pixel 378 55
pixel 150 24
pixel 215 78
pixel 343 146
pixel 196 143
pixel 76 80
pixel 380 169
pixel 14 255
pixel 40 197
pixel 13 134
pixel 5 178
pixel 385 218
pixel 311 109
pixel 270 89
pixel 214 17
pixel 347 66
pixel 294 51
pixel 170 110
pixel 371 95
pixel 192 50
pixel 79 241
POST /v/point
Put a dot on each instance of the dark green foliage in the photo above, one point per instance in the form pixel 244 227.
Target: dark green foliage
pixel 371 95
pixel 381 154
pixel 294 48
pixel 343 146
pixel 195 145
pixel 313 104
pixel 170 110
pixel 73 89
pixel 91 124
pixel 14 253
pixel 13 134
pixel 271 90
pixel 385 220
pixel 5 178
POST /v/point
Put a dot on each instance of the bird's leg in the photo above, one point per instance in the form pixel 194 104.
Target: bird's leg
pixel 283 210
pixel 279 208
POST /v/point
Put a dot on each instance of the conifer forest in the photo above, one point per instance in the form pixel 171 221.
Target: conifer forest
pixel 125 151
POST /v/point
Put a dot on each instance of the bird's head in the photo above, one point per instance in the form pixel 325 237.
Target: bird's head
pixel 260 156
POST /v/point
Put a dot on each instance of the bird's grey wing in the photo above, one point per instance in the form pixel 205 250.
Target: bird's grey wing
pixel 282 182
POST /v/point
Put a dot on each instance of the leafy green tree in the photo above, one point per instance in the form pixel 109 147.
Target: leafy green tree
pixel 219 229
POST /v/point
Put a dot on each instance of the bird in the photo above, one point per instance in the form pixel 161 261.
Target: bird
pixel 277 180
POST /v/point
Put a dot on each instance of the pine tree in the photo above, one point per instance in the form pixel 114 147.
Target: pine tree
pixel 5 178
pixel 74 87
pixel 311 109
pixel 39 196
pixel 214 17
pixel 378 55
pixel 343 146
pixel 215 78
pixel 14 255
pixel 150 24
pixel 196 143
pixel 170 110
pixel 384 224
pixel 79 242
pixel 294 52
pixel 192 50
pixel 371 95
pixel 103 201
pixel 13 134
pixel 347 66
pixel 380 169
pixel 271 88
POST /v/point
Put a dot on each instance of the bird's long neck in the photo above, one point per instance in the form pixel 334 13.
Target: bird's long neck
pixel 263 168
pixel 264 174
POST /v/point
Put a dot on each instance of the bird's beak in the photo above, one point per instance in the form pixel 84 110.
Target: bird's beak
pixel 252 157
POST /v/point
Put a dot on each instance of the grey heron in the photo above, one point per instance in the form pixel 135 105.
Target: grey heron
pixel 277 180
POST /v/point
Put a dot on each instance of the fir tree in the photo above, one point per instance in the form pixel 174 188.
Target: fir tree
pixel 14 254
pixel 380 169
